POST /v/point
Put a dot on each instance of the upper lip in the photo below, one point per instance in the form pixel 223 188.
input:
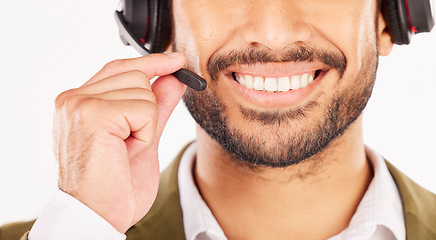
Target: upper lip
pixel 273 69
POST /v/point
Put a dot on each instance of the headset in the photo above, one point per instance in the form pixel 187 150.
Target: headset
pixel 147 26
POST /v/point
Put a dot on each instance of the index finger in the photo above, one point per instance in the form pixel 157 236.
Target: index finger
pixel 152 65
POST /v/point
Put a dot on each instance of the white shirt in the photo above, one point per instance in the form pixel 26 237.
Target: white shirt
pixel 378 216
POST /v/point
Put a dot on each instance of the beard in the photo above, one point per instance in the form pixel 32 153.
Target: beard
pixel 282 138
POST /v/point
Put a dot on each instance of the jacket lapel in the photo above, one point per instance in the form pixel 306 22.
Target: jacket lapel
pixel 419 207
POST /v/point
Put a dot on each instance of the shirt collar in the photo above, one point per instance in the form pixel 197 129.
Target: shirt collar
pixel 378 214
pixel 199 222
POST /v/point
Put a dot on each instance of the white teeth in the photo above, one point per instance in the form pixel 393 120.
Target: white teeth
pixel 304 80
pixel 249 82
pixel 241 80
pixel 295 82
pixel 283 84
pixel 272 84
pixel 259 83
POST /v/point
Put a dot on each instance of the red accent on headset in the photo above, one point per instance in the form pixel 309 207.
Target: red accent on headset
pixel 414 29
pixel 142 40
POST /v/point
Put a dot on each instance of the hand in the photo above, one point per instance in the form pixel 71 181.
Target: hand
pixel 106 136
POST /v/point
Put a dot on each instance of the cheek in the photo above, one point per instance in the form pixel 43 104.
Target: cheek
pixel 202 28
pixel 358 35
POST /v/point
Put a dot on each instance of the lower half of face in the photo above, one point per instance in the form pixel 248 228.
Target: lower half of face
pixel 281 137
pixel 278 108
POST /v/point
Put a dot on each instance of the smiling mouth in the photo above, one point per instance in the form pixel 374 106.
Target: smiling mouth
pixel 276 84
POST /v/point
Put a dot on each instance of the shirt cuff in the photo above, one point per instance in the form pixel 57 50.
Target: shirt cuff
pixel 67 218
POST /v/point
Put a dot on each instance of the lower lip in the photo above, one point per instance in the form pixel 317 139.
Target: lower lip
pixel 264 99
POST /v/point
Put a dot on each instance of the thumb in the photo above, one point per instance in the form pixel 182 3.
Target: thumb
pixel 168 91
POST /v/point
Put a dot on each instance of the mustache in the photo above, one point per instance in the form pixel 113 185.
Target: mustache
pixel 254 55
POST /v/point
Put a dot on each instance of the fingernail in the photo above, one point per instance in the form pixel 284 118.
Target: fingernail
pixel 175 54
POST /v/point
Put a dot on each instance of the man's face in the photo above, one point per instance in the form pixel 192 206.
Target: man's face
pixel 285 77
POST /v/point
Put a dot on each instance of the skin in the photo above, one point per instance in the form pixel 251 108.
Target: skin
pixel 106 136
pixel 111 125
pixel 268 203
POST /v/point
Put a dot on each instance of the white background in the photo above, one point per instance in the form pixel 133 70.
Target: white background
pixel 48 46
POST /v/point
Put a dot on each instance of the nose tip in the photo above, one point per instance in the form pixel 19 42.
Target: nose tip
pixel 279 37
pixel 276 26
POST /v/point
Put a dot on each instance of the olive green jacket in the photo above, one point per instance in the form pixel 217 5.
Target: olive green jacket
pixel 164 220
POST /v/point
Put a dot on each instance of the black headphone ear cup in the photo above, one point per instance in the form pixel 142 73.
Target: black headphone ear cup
pixel 164 31
pixel 136 14
pixel 395 15
pixel 160 28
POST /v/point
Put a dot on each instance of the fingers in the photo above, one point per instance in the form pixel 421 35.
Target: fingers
pixel 168 91
pixel 112 113
pixel 163 64
pixel 121 81
pixel 128 80
pixel 140 117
